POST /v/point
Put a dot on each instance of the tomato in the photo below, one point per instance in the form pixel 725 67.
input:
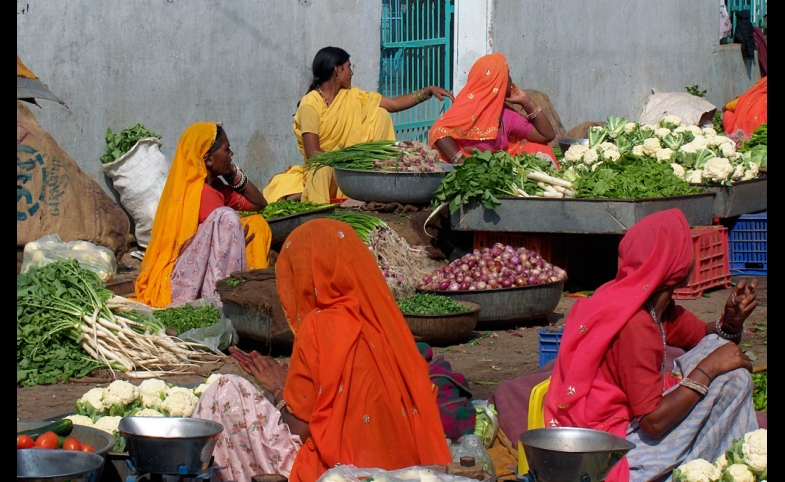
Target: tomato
pixel 47 440
pixel 24 442
pixel 87 448
pixel 72 444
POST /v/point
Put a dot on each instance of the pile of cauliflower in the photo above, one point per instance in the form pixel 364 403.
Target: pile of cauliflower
pixel 697 155
pixel 745 461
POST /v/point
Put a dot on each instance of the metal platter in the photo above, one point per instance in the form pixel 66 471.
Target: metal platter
pixel 283 226
pixel 389 186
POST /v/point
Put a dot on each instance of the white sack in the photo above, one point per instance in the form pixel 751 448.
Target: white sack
pixel 685 105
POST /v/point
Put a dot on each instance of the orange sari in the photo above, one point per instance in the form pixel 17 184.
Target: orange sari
pixel 355 375
pixel 750 111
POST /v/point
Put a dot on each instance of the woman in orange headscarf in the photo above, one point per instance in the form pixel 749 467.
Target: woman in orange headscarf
pixel 748 111
pixel 197 236
pixel 357 391
pixel 479 118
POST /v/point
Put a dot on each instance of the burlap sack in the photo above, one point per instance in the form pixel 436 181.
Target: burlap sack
pixel 53 195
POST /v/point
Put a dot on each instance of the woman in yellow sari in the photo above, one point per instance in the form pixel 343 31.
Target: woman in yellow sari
pixel 198 238
pixel 332 115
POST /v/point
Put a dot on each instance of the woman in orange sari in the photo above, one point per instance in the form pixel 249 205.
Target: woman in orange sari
pixel 357 390
pixel 197 237
pixel 479 118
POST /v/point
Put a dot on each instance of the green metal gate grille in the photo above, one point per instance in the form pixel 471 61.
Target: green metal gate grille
pixel 416 36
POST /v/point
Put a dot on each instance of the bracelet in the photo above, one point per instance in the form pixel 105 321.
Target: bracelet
pixel 534 114
pixel 282 404
pixel 457 157
pixel 704 372
pixel 242 184
pixel 724 334
pixel 694 386
pixel 237 176
pixel 418 96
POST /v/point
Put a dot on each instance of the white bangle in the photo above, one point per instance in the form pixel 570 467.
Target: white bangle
pixel 694 386
pixel 457 157
pixel 724 334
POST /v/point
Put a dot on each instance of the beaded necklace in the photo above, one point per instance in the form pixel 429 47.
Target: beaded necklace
pixel 658 322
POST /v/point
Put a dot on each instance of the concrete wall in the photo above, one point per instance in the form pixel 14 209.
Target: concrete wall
pixel 599 59
pixel 169 63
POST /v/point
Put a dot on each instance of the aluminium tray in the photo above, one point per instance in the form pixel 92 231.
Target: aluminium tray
pixel 579 216
pixel 390 186
pixel 283 226
pixel 741 198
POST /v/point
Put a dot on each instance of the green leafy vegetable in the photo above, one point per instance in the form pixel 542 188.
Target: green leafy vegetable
pixel 120 143
pixel 482 177
pixel 632 178
pixel 188 317
pixel 286 207
pixel 760 391
pixel 695 90
pixel 430 304
pixel 359 156
pixel 363 224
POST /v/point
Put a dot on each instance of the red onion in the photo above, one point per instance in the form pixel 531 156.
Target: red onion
pixel 492 283
pixel 515 260
pixel 471 263
pixel 465 268
pixel 453 286
pixel 484 278
pixel 444 285
pixel 533 280
pixel 447 269
pixel 506 256
pixel 472 287
pixel 426 279
pixel 481 285
pixel 486 250
pixel 506 282
pixel 496 252
pixel 520 281
pixel 464 286
pixel 518 268
pixel 498 246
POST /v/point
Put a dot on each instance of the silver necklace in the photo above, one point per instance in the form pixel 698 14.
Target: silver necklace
pixel 658 322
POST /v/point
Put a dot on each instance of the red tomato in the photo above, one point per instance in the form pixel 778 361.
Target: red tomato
pixel 24 442
pixel 87 448
pixel 72 444
pixel 47 440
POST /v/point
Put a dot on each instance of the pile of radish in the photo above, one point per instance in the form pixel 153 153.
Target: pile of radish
pixel 493 268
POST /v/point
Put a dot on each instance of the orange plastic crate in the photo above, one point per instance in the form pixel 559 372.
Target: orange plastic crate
pixel 712 264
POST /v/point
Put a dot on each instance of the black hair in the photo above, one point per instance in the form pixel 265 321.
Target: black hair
pixel 214 146
pixel 324 64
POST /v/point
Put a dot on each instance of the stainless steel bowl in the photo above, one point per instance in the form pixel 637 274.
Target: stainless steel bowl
pixel 161 445
pixel 37 465
pixel 389 186
pixel 563 454
pixel 101 441
pixel 565 143
pixel 282 227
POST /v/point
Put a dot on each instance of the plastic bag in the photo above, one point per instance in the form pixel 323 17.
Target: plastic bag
pixel 218 336
pixel 471 446
pixel 50 249
pixel 690 108
pixel 350 473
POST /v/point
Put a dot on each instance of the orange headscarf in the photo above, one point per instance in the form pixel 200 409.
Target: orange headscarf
pixel 177 216
pixel 750 111
pixel 356 375
pixel 477 110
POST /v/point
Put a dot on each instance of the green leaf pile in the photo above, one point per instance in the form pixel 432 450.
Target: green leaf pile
pixel 188 317
pixel 120 143
pixel 430 304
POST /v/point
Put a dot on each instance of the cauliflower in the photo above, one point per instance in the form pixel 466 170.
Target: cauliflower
pixel 651 146
pixel 153 392
pixel 751 172
pixel 696 177
pixel 738 473
pixel 80 420
pixel 611 155
pixel 719 140
pixel 709 132
pixel 216 376
pixel 574 153
pixel 697 470
pixel 695 130
pixel 148 412
pixel 721 462
pixel 180 402
pixel 590 156
pixel 717 169
pixel 648 127
pixel 678 170
pixel 680 129
pixel 755 449
pixel 121 393
pixel 608 146
pixel 595 166
pixel 689 148
pixel 629 127
pixel 738 172
pixel 637 150
pixel 107 424
pixel 700 142
pixel 727 149
pixel 663 154
pixel 661 132
pixel 672 119
pixel 95 397
pixel 198 391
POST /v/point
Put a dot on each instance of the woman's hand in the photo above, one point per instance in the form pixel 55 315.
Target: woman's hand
pixel 248 239
pixel 518 96
pixel 740 303
pixel 726 358
pixel 440 93
pixel 270 375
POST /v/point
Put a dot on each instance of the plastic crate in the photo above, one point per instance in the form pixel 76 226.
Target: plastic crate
pixel 748 249
pixel 549 344
pixel 712 269
pixel 552 247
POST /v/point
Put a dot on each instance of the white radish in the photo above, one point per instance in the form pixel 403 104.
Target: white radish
pixel 552 194
pixel 541 176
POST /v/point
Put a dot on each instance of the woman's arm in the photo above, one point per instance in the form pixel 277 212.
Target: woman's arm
pixel 542 131
pixel 251 192
pixel 448 147
pixel 311 144
pixel 407 101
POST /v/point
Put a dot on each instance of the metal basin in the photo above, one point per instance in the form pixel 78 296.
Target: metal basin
pixel 101 441
pixel 512 305
pixel 565 454
pixel 283 226
pixel 743 197
pixel 388 186
pixel 565 143
pixel 37 465
pixel 161 445
pixel 446 328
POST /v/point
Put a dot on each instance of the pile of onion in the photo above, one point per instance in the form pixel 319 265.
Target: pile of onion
pixel 493 268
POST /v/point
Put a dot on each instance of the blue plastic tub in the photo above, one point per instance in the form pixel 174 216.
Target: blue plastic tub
pixel 549 344
pixel 747 245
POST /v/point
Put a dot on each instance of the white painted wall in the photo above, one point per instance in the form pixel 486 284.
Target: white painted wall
pixel 473 23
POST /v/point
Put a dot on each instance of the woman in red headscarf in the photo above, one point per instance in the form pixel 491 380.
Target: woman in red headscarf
pixel 479 118
pixel 357 390
pixel 610 372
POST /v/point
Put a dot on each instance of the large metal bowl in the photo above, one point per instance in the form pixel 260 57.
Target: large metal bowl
pixel 565 143
pixel 565 453
pixel 512 305
pixel 446 328
pixel 37 465
pixel 389 186
pixel 282 227
pixel 161 445
pixel 101 441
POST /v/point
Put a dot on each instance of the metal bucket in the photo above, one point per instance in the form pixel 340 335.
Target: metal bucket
pixel 39 465
pixel 162 445
pixel 389 186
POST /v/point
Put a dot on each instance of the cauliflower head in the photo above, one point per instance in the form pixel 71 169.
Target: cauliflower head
pixel 721 462
pixel 648 127
pixel 95 397
pixel 630 126
pixel 717 169
pixel 696 177
pixel 608 146
pixel 590 156
pixel 672 119
pixel 198 391
pixel 695 130
pixel 153 392
pixel 709 132
pixel 700 142
pixel 698 470
pixel 651 146
pixel 678 170
pixel 727 149
pixel 108 424
pixel 663 154
pixel 755 449
pixel 661 132
pixel 738 173
pixel 689 148
pixel 751 172
pixel 80 420
pixel 148 412
pixel 216 376
pixel 611 155
pixel 180 402
pixel 739 473
pixel 120 392
pixel 574 153
pixel 638 150
pixel 719 140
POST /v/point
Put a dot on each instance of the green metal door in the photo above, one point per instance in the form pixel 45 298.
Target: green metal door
pixel 416 37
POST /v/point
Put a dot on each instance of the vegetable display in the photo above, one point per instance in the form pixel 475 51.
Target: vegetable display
pixel 745 461
pixel 493 268
pixel 118 144
pixel 286 207
pixel 430 304
pixel 188 317
pixel 408 156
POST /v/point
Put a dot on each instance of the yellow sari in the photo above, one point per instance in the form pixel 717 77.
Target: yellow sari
pixel 177 218
pixel 353 117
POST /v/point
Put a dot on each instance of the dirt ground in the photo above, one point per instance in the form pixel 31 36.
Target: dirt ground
pixel 487 359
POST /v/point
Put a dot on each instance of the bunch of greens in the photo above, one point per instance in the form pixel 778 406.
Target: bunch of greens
pixel 631 178
pixel 51 301
pixel 359 156
pixel 430 304
pixel 120 143
pixel 482 177
pixel 283 208
pixel 696 91
pixel 188 317
pixel 759 393
pixel 364 225
pixel 759 137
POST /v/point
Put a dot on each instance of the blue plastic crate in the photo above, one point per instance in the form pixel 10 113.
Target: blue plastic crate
pixel 549 344
pixel 747 245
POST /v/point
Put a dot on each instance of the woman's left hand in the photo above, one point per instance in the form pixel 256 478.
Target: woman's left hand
pixel 518 96
pixel 438 92
pixel 740 303
pixel 248 239
pixel 268 372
